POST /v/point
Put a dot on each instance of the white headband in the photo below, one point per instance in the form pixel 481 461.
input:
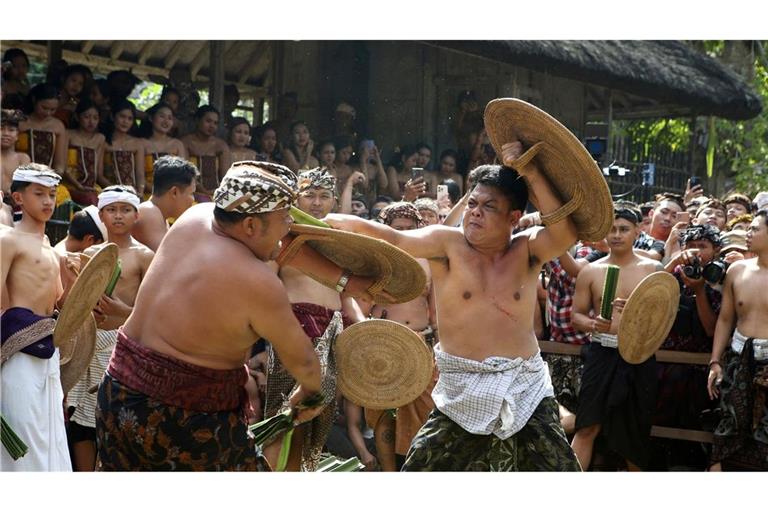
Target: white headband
pixel 118 196
pixel 44 178
pixel 93 213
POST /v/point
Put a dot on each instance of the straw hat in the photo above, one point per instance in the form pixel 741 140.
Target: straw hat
pixel 397 273
pixel 83 297
pixel 648 317
pixel 382 364
pixel 84 346
pixel 561 157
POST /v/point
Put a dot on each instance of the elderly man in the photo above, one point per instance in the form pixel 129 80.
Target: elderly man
pixel 738 369
pixel 494 400
pixel 173 394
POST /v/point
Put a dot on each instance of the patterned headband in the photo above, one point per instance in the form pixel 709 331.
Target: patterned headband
pixel 317 178
pixel 402 209
pixel 256 187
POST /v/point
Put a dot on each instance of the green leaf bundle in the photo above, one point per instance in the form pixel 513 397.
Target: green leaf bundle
pixel 609 291
pixel 12 442
pixel 300 217
pixel 113 280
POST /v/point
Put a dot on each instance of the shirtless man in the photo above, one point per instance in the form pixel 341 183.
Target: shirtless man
pixel 118 210
pixel 31 390
pixel 173 192
pixel 320 311
pixel 485 289
pixel 211 152
pixel 740 438
pixel 627 421
pixel 418 315
pixel 11 159
pixel 178 366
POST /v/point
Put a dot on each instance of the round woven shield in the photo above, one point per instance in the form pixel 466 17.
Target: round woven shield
pixel 382 364
pixel 648 316
pixel 562 158
pixel 399 274
pixel 84 346
pixel 84 295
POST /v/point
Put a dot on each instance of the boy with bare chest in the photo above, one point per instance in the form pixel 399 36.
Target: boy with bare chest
pixel 11 159
pixel 615 396
pixel 31 388
pixel 118 210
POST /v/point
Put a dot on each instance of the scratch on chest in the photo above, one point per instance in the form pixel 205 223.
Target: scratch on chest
pixel 501 308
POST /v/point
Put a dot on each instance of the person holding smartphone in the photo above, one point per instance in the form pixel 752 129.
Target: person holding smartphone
pixel 400 172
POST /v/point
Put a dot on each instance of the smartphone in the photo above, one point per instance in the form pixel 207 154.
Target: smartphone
pixel 417 173
pixel 695 181
pixel 442 191
pixel 683 217
pixel 368 144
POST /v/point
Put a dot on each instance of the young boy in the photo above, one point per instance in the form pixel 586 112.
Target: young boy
pixel 31 390
pixel 85 230
pixel 11 160
pixel 118 210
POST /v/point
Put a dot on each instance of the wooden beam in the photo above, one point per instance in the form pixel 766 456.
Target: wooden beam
pixel 173 55
pixel 117 50
pixel 54 51
pixel 146 51
pixel 87 47
pixel 259 59
pixel 216 75
pixel 698 436
pixel 197 63
pixel 230 48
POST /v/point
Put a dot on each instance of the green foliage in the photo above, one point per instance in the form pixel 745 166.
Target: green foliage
pixel 655 133
pixel 146 94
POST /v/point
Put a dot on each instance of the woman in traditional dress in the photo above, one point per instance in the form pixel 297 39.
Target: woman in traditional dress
pixel 267 149
pixel 298 154
pixel 155 129
pixel 85 156
pixel 42 136
pixel 239 139
pixel 124 157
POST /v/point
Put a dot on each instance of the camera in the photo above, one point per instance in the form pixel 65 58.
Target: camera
pixel 693 271
pixel 714 271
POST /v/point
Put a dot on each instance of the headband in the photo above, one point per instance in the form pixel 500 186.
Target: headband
pixel 41 177
pixel 256 187
pixel 93 213
pixel 118 195
pixel 317 178
pixel 402 209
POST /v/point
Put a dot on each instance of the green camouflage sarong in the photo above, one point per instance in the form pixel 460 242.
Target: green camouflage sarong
pixel 541 445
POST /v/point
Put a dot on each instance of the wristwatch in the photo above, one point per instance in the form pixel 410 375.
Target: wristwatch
pixel 343 280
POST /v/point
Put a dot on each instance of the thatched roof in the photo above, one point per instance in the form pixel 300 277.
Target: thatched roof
pixel 668 72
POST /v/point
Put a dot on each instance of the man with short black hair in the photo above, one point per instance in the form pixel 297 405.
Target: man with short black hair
pixel 737 204
pixel 663 217
pixel 738 368
pixel 85 229
pixel 712 212
pixel 173 192
pixel 488 357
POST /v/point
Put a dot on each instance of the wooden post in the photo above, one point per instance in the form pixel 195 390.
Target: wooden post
pixel 216 75
pixel 609 147
pixel 54 51
pixel 692 146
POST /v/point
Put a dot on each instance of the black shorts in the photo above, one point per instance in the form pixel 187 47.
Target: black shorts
pixel 77 433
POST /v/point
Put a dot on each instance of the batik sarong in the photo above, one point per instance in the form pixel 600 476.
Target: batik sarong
pixel 157 413
pixel 30 392
pixel 565 372
pixel 120 167
pixel 38 144
pixel 322 325
pixel 621 398
pixel 81 162
pixel 741 437
pixel 442 445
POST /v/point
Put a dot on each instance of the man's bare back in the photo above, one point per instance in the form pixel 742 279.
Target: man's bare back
pixel 207 318
pixel 10 161
pixel 151 226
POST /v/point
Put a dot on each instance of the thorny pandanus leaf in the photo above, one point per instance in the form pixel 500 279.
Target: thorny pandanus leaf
pixel 299 217
pixel 12 442
pixel 609 291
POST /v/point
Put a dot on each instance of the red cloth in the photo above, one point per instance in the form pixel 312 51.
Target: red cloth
pixel 175 382
pixel 314 319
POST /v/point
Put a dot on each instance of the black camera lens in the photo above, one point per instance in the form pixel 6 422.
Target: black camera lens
pixel 692 271
pixel 714 272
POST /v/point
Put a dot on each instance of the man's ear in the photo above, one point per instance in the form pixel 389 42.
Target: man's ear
pixel 252 225
pixel 16 196
pixel 514 216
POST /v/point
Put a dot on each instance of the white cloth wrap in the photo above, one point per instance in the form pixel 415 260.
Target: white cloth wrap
pixel 44 178
pixel 759 346
pixel 495 396
pixel 109 197
pixel 93 213
pixel 31 402
pixel 606 340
